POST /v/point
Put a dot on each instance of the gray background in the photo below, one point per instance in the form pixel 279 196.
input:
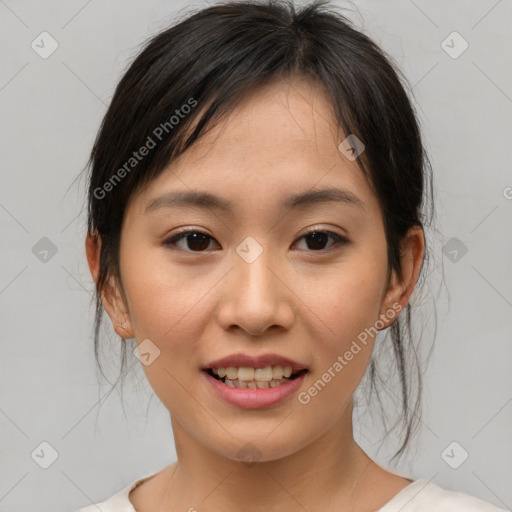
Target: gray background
pixel 50 111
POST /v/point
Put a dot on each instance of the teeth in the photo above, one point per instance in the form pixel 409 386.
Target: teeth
pixel 263 374
pixel 231 373
pixel 254 384
pixel 245 373
pixel 246 377
pixel 277 372
pixel 248 374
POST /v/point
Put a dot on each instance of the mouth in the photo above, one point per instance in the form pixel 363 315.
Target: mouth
pixel 248 377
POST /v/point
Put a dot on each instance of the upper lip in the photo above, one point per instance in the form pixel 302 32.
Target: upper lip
pixel 238 360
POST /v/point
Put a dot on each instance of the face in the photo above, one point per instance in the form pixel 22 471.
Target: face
pixel 251 283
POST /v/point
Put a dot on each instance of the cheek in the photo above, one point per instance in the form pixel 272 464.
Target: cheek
pixel 167 306
pixel 348 308
pixel 347 299
pixel 162 296
pixel 347 302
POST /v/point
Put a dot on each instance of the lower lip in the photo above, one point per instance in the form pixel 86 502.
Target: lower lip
pixel 254 398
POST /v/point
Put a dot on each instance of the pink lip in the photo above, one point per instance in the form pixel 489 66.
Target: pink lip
pixel 238 360
pixel 254 398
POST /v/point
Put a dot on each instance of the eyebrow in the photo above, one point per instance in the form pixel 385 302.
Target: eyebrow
pixel 207 200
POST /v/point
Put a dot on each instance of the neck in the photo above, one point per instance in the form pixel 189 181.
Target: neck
pixel 322 473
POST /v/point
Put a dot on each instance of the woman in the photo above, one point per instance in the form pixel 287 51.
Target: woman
pixel 257 204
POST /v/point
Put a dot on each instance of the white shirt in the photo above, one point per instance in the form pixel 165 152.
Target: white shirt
pixel 419 496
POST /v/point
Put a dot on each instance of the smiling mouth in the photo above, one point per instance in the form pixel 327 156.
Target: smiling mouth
pixel 255 378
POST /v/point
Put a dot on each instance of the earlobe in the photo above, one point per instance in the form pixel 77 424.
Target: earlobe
pixel 110 296
pixel 124 330
pixel 401 287
pixel 116 309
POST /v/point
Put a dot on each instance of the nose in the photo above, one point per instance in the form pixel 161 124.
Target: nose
pixel 255 297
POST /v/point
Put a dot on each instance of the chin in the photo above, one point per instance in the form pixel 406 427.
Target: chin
pixel 259 448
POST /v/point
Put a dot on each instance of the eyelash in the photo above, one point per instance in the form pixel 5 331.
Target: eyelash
pixel 338 239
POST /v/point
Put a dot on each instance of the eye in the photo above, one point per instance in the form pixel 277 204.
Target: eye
pixel 318 239
pixel 197 241
pixel 194 241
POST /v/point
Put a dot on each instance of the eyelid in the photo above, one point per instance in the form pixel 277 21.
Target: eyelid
pixel 340 240
pixel 181 233
pixel 322 229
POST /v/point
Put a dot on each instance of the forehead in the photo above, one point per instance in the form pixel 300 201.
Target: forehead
pixel 280 140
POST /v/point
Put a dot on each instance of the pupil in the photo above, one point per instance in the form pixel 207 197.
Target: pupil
pixel 197 238
pixel 317 238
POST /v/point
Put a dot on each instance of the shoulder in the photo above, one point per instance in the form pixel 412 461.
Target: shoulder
pixel 119 502
pixel 424 496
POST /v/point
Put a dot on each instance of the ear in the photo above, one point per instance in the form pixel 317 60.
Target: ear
pixel 400 287
pixel 110 295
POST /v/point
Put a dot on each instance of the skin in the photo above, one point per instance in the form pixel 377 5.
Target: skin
pixel 294 300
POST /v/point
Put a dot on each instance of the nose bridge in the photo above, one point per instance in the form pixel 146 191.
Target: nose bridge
pixel 255 281
pixel 254 274
pixel 256 300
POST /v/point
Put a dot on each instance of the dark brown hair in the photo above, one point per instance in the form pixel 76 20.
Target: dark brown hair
pixel 217 55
